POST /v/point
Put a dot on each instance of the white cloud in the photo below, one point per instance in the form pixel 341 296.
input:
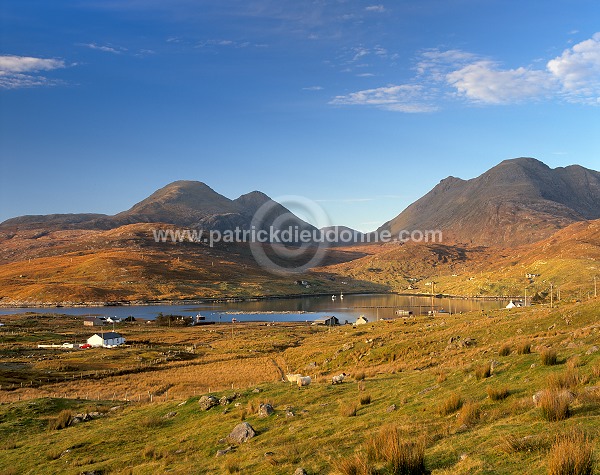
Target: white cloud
pixel 313 88
pixel 578 71
pixel 400 98
pixel 484 82
pixel 440 75
pixel 375 8
pixel 16 71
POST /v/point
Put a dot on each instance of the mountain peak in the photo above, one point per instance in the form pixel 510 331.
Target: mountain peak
pixel 518 201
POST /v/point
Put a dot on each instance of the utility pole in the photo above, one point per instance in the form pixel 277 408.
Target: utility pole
pixel 432 295
pixel 551 295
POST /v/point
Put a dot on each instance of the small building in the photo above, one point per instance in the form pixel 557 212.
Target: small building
pixel 512 304
pixel 327 321
pixel 93 322
pixel 107 339
pixel 362 320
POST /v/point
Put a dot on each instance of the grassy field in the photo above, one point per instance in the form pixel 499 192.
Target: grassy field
pixel 458 387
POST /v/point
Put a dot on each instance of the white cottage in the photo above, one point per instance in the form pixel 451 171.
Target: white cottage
pixel 362 320
pixel 106 339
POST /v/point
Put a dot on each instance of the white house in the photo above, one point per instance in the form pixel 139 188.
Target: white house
pixel 512 304
pixel 362 320
pixel 106 339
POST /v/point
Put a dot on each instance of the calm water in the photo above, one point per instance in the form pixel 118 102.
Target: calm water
pixel 284 310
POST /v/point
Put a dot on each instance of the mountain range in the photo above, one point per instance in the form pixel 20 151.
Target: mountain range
pixel 516 218
pixel 190 204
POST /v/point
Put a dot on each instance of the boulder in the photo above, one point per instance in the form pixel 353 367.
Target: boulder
pixel 300 471
pixel 265 410
pixel 592 350
pixel 222 452
pixel 391 408
pixel 206 402
pixel 241 433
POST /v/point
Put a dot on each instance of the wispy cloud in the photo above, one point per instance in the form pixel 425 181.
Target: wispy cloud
pixel 105 48
pixel 375 8
pixel 20 71
pixel 313 88
pixel 400 98
pixel 227 43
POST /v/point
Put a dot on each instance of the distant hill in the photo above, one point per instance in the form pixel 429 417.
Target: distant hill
pixel 191 204
pixel 568 259
pixel 518 201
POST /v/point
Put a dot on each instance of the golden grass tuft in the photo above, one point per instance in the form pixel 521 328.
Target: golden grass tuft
pixel 571 454
pixel 401 457
pixel 348 410
pixel 441 376
pixel 450 405
pixel 554 405
pixel 357 464
pixel 505 350
pixel 483 371
pixel 566 380
pixel 497 394
pixel 524 348
pixel 61 421
pixel 360 376
pixel 549 357
pixel 365 399
pixel 469 414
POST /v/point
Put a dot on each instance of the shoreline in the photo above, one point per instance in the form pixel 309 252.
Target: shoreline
pixel 140 303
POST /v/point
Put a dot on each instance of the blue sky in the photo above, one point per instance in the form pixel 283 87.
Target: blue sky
pixel 360 106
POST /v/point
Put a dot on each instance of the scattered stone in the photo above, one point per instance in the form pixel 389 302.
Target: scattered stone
pixel 468 342
pixel 169 415
pixel 532 365
pixel 391 408
pixel 206 402
pixel 453 339
pixel 224 401
pixel 256 390
pixel 269 454
pixel 494 364
pixel 347 346
pixel 182 404
pixel 223 440
pixel 592 350
pixel 114 408
pixel 300 471
pixel 224 451
pixel 312 364
pixel 289 413
pixel 241 433
pixel 463 457
pixel 237 404
pixel 426 390
pixel 265 410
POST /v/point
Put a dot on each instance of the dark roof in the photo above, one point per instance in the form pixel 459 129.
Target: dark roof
pixel 109 335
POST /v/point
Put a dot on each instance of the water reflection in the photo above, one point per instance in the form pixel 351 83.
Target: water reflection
pixel 348 307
